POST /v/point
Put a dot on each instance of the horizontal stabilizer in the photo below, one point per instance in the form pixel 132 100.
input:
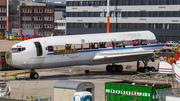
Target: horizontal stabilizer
pixel 165 67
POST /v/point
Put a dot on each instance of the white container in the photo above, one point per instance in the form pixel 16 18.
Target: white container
pixel 83 96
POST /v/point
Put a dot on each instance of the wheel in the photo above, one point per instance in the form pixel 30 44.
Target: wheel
pixel 119 68
pixel 152 69
pixel 114 68
pixel 108 68
pixel 141 69
pixel 87 71
pixel 34 75
pixel 146 69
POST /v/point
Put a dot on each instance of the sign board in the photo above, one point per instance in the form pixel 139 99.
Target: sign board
pixel 6 31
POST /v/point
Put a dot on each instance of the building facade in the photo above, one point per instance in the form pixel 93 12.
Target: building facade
pixel 40 18
pixel 162 17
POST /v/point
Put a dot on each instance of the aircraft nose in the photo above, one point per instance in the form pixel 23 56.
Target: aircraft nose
pixel 8 57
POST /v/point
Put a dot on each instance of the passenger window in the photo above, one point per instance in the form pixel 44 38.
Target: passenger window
pixel 50 48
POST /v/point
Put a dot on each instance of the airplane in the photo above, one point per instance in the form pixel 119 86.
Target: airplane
pixel 87 49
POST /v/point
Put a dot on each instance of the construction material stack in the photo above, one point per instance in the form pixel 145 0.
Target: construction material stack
pixel 3 64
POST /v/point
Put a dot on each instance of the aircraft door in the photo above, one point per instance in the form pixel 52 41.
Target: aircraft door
pixel 38 48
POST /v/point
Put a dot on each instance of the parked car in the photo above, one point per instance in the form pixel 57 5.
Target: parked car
pixel 171 43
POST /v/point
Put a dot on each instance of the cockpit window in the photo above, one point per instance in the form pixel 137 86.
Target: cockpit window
pixel 23 48
pixel 19 49
pixel 13 48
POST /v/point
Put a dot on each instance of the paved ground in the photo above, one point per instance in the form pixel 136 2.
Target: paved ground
pixel 48 77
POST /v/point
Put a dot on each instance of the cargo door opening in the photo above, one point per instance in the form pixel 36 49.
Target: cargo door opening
pixel 38 48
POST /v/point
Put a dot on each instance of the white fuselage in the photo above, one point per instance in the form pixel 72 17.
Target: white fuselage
pixel 28 58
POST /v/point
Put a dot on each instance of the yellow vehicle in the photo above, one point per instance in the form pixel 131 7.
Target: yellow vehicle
pixel 18 37
pixel 11 37
pixel 2 36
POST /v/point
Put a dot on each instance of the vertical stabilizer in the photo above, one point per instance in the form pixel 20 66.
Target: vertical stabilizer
pixel 176 72
pixel 165 67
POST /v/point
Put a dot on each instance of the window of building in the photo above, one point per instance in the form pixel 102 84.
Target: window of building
pixel 136 14
pixel 102 14
pixel 142 26
pixel 85 25
pixel 151 14
pixel 124 25
pixel 136 2
pixel 48 26
pixel 124 14
pixel 96 25
pixel 37 18
pixel 118 14
pixel 168 2
pixel 144 2
pixel 162 14
pixel 150 2
pixel 119 2
pixel 90 14
pixel 96 14
pixel 102 3
pixel 156 2
pixel 80 25
pixel 130 26
pixel 130 2
pixel 175 26
pixel 167 26
pixel 175 13
pixel 168 38
pixel 175 38
pixel 68 25
pixel 74 25
pixel 168 14
pixel 85 14
pixel 26 10
pixel 156 26
pixel 68 14
pixel 47 33
pixel 112 25
pixel 112 2
pixel 26 18
pixel 112 14
pixel 26 26
pixel 175 2
pixel 90 3
pixel 48 10
pixel 118 26
pixel 96 3
pixel 156 14
pixel 90 25
pixel 2 10
pixel 37 26
pixel 80 14
pixel 48 18
pixel 85 3
pixel 75 14
pixel 101 25
pixel 130 14
pixel 136 26
pixel 68 3
pixel 162 2
pixel 124 2
pixel 142 14
pixel 80 3
pixel 3 18
pixel 37 11
pixel 161 39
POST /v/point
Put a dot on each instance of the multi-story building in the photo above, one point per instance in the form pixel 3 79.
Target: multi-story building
pixel 3 17
pixel 40 18
pixel 162 17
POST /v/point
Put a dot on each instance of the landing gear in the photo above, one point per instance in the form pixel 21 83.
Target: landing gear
pixel 114 68
pixel 34 74
pixel 146 68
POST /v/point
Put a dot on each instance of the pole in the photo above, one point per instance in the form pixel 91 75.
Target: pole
pixel 107 16
pixel 7 19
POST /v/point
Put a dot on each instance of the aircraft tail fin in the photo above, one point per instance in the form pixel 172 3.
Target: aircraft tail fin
pixel 165 67
pixel 176 72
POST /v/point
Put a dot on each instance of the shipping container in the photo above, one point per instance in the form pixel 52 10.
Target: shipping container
pixel 133 91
